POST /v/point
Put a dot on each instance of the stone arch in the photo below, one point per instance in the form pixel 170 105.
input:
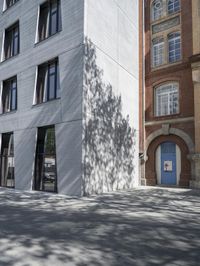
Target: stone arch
pixel 174 135
pixel 165 130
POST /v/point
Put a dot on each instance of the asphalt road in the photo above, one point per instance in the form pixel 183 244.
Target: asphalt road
pixel 143 227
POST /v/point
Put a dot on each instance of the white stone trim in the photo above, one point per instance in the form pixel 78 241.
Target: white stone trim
pixel 171 121
pixel 173 131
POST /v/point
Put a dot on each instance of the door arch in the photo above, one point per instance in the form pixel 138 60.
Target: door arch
pixel 168 163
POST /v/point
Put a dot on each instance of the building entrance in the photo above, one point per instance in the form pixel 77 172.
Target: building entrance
pixel 168 164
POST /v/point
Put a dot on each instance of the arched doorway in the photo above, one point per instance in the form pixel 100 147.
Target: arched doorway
pixel 168 163
pixel 153 165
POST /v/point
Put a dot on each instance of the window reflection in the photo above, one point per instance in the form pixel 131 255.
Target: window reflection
pixel 7 161
pixel 11 46
pixel 45 163
pixel 48 82
pixel 49 20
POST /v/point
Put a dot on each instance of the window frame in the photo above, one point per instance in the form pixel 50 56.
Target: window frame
pixel 174 85
pixel 153 11
pixel 10 41
pixel 6 6
pixel 11 92
pixel 173 11
pixel 41 151
pixel 7 151
pixel 48 24
pixel 174 44
pixel 158 42
pixel 41 97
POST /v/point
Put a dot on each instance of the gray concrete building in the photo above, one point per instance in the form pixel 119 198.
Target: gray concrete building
pixel 69 95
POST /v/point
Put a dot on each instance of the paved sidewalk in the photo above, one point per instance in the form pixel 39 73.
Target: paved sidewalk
pixel 144 227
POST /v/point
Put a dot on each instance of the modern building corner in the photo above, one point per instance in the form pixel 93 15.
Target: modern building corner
pixel 111 93
pixel 69 119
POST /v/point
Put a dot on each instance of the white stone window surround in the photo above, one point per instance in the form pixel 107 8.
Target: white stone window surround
pixel 163 8
pixel 166 99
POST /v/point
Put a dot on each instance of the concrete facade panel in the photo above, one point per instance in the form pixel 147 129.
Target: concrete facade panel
pixel 69 155
pixel 110 85
pixel 128 42
pixel 24 155
pixel 103 31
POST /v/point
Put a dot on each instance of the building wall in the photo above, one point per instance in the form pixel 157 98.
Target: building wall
pixel 112 47
pixel 65 113
pixel 180 72
pixel 195 63
pixel 94 55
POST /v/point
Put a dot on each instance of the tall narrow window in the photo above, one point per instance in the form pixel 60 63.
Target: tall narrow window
pixel 48 82
pixel 50 19
pixel 174 44
pixel 158 52
pixel 173 6
pixel 9 95
pixel 9 3
pixel 11 43
pixel 7 161
pixel 167 99
pixel 45 177
pixel 157 9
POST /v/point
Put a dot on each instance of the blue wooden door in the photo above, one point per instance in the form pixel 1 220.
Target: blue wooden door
pixel 168 163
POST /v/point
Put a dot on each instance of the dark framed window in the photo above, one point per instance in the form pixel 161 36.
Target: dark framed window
pixel 7 161
pixel 11 42
pixel 9 3
pixel 45 174
pixel 48 82
pixel 9 95
pixel 49 19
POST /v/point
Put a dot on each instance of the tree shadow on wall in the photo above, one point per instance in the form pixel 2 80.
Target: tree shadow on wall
pixel 109 140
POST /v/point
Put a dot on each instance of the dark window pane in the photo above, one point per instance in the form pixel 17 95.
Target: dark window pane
pixel 43 22
pixel 58 93
pixel 45 178
pixel 48 87
pixel 50 19
pixel 9 95
pixel 11 46
pixel 9 3
pixel 52 81
pixel 40 90
pixel 53 27
pixel 5 98
pixel 51 87
pixel 7 160
pixel 8 44
pixel 14 95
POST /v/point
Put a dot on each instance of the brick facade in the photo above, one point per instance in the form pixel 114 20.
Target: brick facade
pixel 182 122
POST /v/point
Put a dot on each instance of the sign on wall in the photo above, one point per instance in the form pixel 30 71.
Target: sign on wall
pixel 168 166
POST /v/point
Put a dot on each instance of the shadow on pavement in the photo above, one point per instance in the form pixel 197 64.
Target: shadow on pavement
pixel 152 226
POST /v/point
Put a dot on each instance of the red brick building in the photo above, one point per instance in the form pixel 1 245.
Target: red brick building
pixel 169 93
